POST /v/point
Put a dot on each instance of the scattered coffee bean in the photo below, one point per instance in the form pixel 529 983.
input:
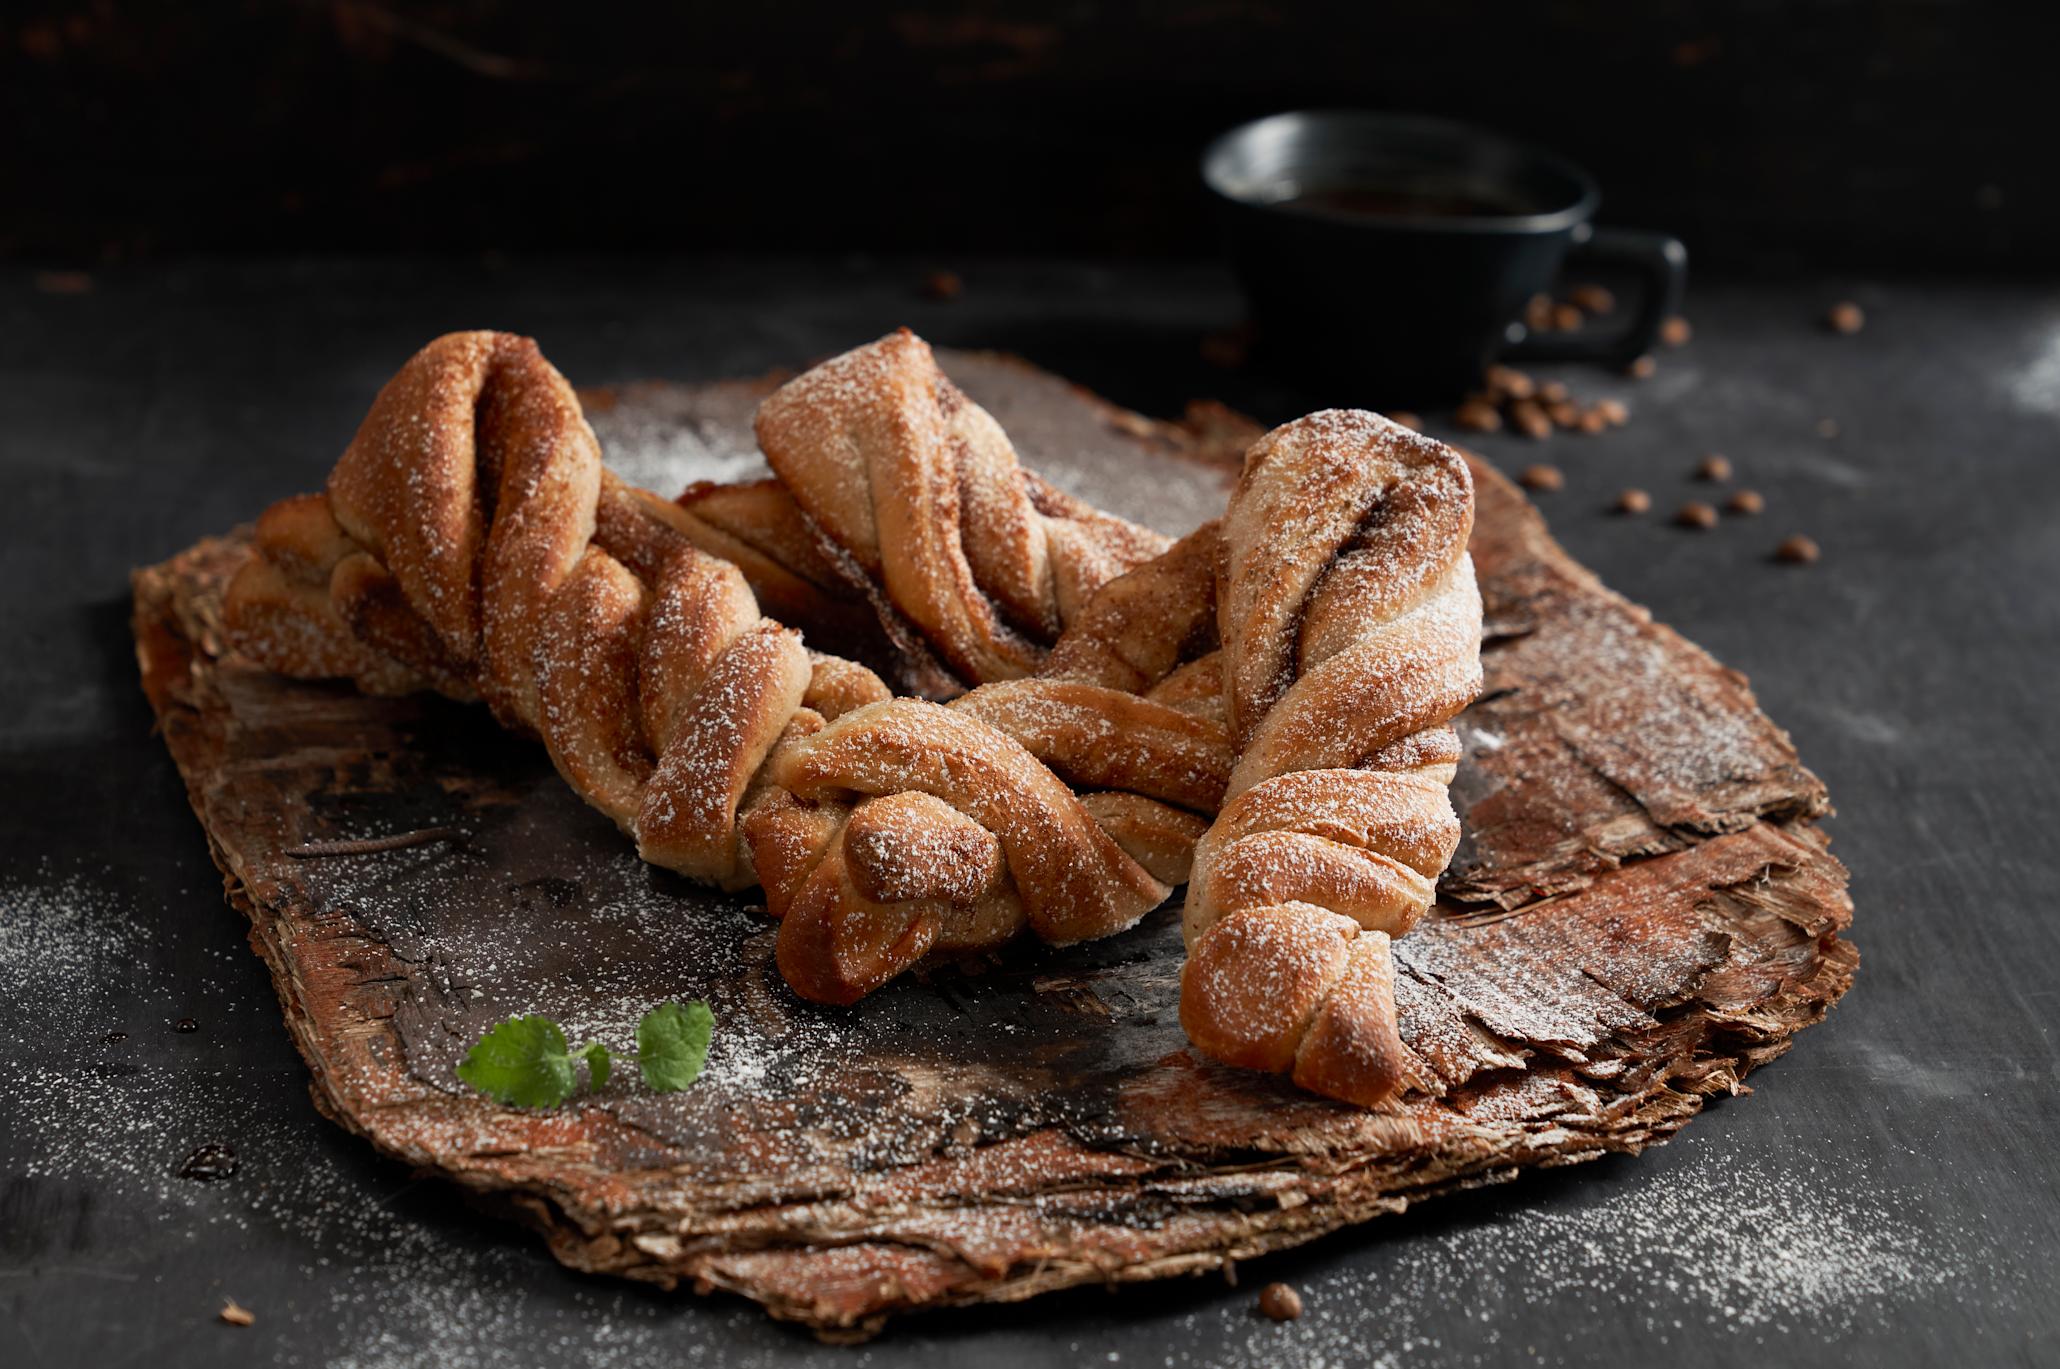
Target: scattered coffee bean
pixel 185 1024
pixel 1713 468
pixel 1477 415
pixel 1633 501
pixel 1413 422
pixel 64 282
pixel 1846 317
pixel 1566 318
pixel 943 285
pixel 1542 478
pixel 1529 419
pixel 1642 369
pixel 1227 350
pixel 1797 551
pixel 1747 502
pixel 1564 412
pixel 1538 313
pixel 1594 298
pixel 1592 421
pixel 1554 392
pixel 1506 382
pixel 211 1162
pixel 1696 514
pixel 1613 410
pixel 1675 332
pixel 1280 1302
pixel 236 1314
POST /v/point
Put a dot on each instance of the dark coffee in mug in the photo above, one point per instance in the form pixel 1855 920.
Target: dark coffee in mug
pixel 1402 201
pixel 1387 258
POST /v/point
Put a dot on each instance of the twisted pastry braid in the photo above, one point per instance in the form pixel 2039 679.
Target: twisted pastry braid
pixel 918 491
pixel 1128 708
pixel 470 541
pixel 1351 636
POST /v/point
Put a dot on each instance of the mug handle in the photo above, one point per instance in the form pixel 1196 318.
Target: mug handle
pixel 1662 265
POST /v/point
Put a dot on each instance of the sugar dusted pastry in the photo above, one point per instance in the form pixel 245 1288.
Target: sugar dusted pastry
pixel 918 490
pixel 470 541
pixel 1350 625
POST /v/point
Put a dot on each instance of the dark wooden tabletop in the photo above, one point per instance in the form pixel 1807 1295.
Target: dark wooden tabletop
pixel 1889 1195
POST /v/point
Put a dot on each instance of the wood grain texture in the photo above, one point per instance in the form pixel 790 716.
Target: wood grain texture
pixel 1643 911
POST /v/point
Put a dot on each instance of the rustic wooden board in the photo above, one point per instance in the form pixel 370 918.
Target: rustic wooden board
pixel 1643 910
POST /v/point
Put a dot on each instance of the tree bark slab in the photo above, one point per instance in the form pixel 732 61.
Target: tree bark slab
pixel 1642 911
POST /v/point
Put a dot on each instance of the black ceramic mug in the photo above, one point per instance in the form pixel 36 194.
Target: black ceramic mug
pixel 1389 257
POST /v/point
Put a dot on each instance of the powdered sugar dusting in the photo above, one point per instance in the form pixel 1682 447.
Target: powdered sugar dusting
pixel 1715 1245
pixel 665 437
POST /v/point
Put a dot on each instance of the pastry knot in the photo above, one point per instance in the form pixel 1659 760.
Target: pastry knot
pixel 918 491
pixel 1350 625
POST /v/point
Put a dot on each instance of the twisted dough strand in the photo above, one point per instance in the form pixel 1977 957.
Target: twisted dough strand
pixel 1128 707
pixel 918 489
pixel 470 541
pixel 1351 636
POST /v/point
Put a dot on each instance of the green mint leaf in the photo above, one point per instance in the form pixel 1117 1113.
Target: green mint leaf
pixel 672 1044
pixel 598 1063
pixel 522 1061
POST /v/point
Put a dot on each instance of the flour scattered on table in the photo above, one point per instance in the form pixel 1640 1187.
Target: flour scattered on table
pixel 1734 1247
pixel 663 437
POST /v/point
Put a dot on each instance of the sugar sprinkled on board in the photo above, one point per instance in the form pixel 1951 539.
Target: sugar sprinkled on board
pixel 396 1273
pixel 663 437
pixel 1721 1245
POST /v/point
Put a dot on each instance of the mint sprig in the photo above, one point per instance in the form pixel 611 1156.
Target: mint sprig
pixel 672 1044
pixel 527 1061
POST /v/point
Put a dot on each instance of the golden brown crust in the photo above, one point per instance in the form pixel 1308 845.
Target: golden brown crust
pixel 1351 636
pixel 920 491
pixel 1067 879
pixel 470 541
pixel 1145 625
pixel 1098 738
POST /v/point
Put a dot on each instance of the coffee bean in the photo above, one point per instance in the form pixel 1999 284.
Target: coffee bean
pixel 1542 478
pixel 1554 392
pixel 1506 382
pixel 1713 468
pixel 1747 502
pixel 1280 1302
pixel 1642 369
pixel 1797 551
pixel 1227 350
pixel 211 1162
pixel 1477 415
pixel 1530 420
pixel 1566 318
pixel 1846 317
pixel 1594 298
pixel 1696 514
pixel 1633 501
pixel 1614 411
pixel 1592 421
pixel 1565 413
pixel 1675 332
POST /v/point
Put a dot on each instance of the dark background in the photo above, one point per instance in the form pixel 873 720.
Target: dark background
pixel 1776 135
pixel 223 226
